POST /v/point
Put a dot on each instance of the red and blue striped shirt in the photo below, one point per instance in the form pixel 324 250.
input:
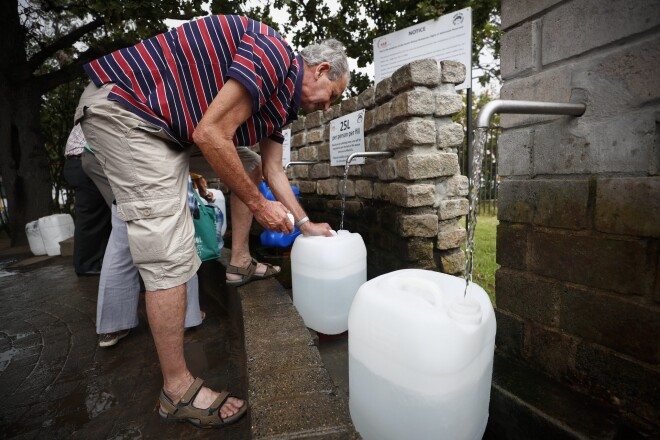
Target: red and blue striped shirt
pixel 170 80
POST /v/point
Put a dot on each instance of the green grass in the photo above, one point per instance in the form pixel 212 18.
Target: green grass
pixel 484 253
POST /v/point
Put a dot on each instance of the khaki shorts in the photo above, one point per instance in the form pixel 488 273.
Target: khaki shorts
pixel 249 158
pixel 148 173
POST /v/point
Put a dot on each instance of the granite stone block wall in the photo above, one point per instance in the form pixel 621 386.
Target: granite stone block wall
pixel 410 207
pixel 578 291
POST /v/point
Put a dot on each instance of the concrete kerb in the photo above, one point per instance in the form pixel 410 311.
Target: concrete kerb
pixel 290 391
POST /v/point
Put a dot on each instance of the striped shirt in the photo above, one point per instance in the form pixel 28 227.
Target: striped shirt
pixel 170 79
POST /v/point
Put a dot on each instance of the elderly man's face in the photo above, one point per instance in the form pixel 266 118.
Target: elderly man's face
pixel 318 91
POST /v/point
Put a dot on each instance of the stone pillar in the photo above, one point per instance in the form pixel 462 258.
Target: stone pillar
pixel 409 207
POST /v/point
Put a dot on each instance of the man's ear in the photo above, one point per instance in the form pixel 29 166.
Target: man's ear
pixel 324 67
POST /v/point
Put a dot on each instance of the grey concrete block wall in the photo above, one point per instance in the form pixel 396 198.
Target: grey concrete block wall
pixel 400 205
pixel 593 24
pixel 579 237
pixel 516 11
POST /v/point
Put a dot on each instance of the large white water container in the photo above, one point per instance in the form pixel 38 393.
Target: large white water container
pixel 420 357
pixel 326 273
pixel 55 228
pixel 35 241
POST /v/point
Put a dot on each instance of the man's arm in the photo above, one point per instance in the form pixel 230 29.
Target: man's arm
pixel 214 135
pixel 271 165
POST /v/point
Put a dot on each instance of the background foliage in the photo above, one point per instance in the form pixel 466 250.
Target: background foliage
pixel 357 24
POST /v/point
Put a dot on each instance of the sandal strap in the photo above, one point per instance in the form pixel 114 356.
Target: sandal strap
pixel 270 270
pixel 245 271
pixel 166 403
pixel 219 401
pixel 189 396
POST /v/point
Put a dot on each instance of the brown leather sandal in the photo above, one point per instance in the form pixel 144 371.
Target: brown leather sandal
pixel 184 411
pixel 249 273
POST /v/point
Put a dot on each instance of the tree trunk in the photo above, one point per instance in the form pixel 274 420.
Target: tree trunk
pixel 24 165
pixel 23 161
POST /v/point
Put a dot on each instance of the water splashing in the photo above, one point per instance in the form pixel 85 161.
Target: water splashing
pixel 475 181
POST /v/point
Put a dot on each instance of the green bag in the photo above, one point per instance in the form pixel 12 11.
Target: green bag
pixel 206 239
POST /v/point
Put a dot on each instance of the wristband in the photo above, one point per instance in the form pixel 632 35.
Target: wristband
pixel 302 221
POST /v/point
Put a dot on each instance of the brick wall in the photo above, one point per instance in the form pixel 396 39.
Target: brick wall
pixel 578 292
pixel 408 208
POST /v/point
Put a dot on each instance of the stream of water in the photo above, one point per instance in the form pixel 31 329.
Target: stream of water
pixel 473 197
pixel 343 197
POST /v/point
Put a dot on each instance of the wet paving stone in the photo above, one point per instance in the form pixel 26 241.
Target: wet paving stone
pixel 55 382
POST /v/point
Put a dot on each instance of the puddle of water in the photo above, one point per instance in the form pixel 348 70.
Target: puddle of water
pixel 3 265
pixel 6 357
pixel 98 401
pixel 127 434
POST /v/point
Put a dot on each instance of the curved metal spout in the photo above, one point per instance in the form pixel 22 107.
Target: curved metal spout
pixel 369 154
pixel 298 162
pixel 526 108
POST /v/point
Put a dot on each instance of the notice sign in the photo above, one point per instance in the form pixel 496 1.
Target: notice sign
pixel 446 38
pixel 346 138
pixel 286 147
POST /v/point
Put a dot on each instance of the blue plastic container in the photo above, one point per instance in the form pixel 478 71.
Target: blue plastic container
pixel 265 190
pixel 277 239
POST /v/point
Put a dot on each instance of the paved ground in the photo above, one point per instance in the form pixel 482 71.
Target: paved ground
pixel 55 382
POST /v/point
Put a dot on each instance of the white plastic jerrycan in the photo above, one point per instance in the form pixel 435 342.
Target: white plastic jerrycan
pixel 55 228
pixel 420 357
pixel 35 240
pixel 326 273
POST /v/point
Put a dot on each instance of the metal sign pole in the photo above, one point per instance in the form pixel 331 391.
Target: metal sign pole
pixel 468 148
pixel 468 128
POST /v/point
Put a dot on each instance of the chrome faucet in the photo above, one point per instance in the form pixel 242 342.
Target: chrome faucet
pixel 298 162
pixel 527 108
pixel 369 154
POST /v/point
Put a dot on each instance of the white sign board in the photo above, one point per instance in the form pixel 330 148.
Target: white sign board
pixel 346 138
pixel 286 147
pixel 446 38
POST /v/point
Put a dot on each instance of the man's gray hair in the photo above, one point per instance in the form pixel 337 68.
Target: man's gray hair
pixel 332 52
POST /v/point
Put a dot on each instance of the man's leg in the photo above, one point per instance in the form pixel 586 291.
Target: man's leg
pixel 166 312
pixel 140 164
pixel 241 222
pixel 119 285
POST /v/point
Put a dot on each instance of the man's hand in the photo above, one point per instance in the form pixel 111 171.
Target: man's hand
pixel 273 216
pixel 310 228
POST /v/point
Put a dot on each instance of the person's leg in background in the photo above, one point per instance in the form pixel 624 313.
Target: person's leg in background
pixel 92 220
pixel 119 290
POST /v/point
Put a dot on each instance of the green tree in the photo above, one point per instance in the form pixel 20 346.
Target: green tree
pixel 357 24
pixel 44 45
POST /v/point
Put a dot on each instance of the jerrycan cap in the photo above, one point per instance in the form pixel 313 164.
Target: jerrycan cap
pixel 465 310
